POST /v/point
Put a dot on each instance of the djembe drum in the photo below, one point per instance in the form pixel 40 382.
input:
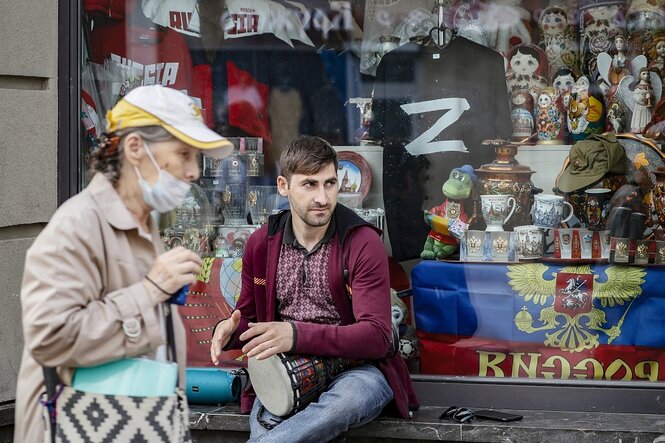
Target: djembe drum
pixel 286 384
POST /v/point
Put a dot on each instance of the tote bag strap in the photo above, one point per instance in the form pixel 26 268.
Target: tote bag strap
pixel 170 337
pixel 51 381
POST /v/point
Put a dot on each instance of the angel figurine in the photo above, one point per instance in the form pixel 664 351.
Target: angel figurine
pixel 643 96
pixel 612 69
pixel 656 55
pixel 640 93
pixel 619 69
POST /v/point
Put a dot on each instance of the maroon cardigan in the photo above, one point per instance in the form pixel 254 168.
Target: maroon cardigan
pixel 365 329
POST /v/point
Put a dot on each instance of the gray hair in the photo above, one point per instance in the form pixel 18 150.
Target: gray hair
pixel 108 158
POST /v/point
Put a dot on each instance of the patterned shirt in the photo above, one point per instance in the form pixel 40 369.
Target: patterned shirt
pixel 303 293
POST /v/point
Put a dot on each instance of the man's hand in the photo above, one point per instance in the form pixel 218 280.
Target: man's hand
pixel 222 335
pixel 266 339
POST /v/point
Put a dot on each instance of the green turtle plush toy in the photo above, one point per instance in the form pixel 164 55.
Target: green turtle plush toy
pixel 440 244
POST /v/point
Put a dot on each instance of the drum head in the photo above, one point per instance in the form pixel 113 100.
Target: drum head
pixel 272 384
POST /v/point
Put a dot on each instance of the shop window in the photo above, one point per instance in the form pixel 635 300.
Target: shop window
pixel 511 146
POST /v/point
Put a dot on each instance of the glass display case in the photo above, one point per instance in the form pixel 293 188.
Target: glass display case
pixel 513 146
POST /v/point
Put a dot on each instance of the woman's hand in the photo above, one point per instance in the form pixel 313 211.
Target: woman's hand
pixel 171 271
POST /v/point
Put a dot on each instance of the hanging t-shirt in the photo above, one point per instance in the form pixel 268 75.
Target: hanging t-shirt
pixel 161 53
pixel 246 70
pixel 244 18
pixel 175 14
pixel 432 109
pixel 112 9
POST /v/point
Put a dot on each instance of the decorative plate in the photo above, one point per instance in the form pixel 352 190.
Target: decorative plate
pixel 353 173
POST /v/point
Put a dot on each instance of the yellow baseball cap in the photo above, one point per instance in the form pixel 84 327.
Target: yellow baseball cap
pixel 173 110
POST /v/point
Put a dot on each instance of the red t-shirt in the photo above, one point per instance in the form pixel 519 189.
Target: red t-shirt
pixel 161 54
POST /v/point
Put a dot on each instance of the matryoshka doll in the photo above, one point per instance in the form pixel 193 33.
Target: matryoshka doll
pixel 522 117
pixel 586 109
pixel 644 21
pixel 528 68
pixel 549 117
pixel 563 83
pixel 558 39
pixel 600 21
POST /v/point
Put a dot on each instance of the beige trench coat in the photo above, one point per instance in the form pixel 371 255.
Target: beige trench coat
pixel 81 291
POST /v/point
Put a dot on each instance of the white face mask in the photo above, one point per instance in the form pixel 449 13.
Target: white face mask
pixel 167 193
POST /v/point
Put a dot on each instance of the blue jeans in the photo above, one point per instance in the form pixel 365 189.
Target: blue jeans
pixel 355 397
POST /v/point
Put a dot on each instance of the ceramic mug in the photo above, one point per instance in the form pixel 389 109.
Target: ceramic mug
pixel 547 210
pixel 528 242
pixel 595 208
pixel 495 210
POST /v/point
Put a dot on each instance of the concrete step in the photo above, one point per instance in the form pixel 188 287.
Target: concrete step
pixel 214 424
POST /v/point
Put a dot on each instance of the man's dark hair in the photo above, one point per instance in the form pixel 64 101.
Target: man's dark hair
pixel 306 154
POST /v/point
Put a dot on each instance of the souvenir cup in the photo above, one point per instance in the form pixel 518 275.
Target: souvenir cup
pixel 605 242
pixel 660 252
pixel 528 242
pixel 496 210
pixel 547 210
pixel 474 242
pixel 586 240
pixel 500 245
pixel 621 250
pixel 642 252
pixel 565 241
pixel 595 208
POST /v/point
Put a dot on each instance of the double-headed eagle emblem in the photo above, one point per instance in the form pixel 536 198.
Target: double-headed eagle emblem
pixel 574 294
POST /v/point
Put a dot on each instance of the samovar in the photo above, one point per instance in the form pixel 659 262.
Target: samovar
pixel 505 175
